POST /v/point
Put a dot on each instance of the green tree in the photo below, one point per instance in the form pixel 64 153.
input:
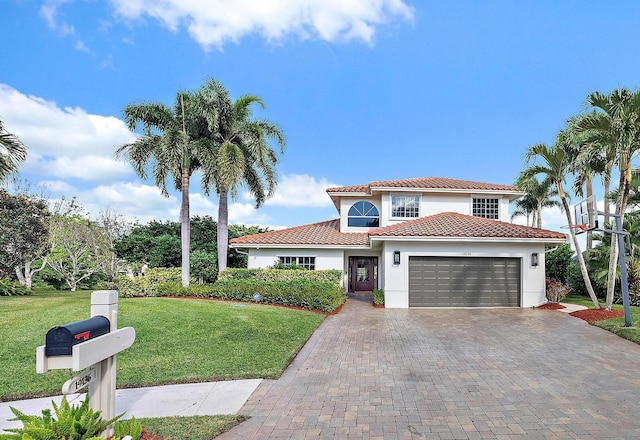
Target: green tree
pixel 552 164
pixel 243 155
pixel 12 153
pixel 76 244
pixel 24 235
pixel 616 116
pixel 174 142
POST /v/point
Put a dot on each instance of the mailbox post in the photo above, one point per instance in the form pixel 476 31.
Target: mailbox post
pixel 90 344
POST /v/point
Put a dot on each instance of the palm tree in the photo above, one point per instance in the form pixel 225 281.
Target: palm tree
pixel 174 142
pixel 538 195
pixel 12 153
pixel 243 155
pixel 617 116
pixel 553 167
pixel 526 206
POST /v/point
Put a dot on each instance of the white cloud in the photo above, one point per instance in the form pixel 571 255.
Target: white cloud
pixel 49 11
pixel 301 190
pixel 216 22
pixel 64 142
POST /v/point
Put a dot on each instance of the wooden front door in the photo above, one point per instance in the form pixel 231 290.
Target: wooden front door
pixel 363 274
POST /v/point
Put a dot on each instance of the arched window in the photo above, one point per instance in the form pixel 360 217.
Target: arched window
pixel 363 214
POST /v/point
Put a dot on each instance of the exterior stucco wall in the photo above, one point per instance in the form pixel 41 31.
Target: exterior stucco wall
pixel 396 278
pixel 325 258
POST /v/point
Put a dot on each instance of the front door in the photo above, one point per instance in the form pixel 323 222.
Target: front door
pixel 363 274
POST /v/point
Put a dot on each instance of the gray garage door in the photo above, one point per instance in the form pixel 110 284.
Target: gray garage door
pixel 464 282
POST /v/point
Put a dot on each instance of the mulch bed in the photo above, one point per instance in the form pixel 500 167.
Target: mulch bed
pixel 147 436
pixel 551 306
pixel 591 315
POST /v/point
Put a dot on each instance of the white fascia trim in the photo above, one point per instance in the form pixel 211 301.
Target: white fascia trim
pixel 296 246
pixel 348 194
pixel 449 190
pixel 471 239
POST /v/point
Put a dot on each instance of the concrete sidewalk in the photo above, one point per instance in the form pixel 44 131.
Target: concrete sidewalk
pixel 193 399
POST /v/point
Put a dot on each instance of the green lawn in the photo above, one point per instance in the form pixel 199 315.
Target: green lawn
pixel 177 340
pixel 615 325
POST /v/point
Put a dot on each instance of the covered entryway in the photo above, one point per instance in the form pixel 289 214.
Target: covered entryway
pixel 363 274
pixel 464 282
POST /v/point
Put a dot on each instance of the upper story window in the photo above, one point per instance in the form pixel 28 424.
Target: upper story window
pixel 405 206
pixel 363 214
pixel 486 208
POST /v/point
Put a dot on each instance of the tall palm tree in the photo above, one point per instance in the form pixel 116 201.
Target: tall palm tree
pixel 526 206
pixel 12 153
pixel 589 156
pixel 174 143
pixel 617 116
pixel 551 163
pixel 243 155
pixel 539 195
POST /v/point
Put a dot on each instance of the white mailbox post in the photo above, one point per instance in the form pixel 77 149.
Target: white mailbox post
pixel 99 354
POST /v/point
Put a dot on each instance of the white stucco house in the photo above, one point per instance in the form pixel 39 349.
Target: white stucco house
pixel 427 242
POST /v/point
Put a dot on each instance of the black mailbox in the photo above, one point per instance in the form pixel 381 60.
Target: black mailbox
pixel 61 338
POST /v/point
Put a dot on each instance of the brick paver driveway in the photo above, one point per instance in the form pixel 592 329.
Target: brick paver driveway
pixel 452 374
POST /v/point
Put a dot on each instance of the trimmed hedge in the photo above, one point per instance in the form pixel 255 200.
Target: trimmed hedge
pixel 293 289
pixel 282 275
pixel 310 295
pixel 151 284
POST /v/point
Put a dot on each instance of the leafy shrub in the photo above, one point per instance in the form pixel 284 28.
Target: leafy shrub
pixel 310 295
pixel 556 291
pixel 147 285
pixel 575 281
pixel 127 428
pixel 328 275
pixel 71 422
pixel 557 262
pixel 378 297
pixel 11 288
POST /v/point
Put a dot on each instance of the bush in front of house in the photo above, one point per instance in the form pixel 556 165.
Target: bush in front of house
pixel 282 275
pixel 378 297
pixel 555 290
pixel 310 295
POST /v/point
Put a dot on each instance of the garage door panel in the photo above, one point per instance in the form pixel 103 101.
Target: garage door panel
pixel 464 282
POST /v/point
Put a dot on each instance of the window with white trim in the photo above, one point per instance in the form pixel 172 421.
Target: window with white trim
pixel 305 262
pixel 363 214
pixel 486 208
pixel 405 206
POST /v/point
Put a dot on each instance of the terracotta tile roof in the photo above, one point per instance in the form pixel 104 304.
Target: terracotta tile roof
pixel 323 234
pixel 425 183
pixel 455 225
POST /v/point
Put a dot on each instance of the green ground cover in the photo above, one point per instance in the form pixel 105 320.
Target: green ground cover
pixel 615 325
pixel 177 340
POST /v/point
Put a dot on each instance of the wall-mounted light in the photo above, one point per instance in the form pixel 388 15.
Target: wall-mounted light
pixel 396 258
pixel 534 259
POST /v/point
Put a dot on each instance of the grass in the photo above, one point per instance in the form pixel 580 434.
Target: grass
pixel 193 428
pixel 177 340
pixel 615 325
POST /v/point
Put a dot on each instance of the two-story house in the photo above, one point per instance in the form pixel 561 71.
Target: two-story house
pixel 427 242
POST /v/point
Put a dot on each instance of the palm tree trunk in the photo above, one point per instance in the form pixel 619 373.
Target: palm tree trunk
pixel 589 191
pixel 621 205
pixel 185 227
pixel 607 189
pixel 223 230
pixel 576 245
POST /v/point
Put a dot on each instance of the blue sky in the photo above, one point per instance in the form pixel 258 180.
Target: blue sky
pixel 364 89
